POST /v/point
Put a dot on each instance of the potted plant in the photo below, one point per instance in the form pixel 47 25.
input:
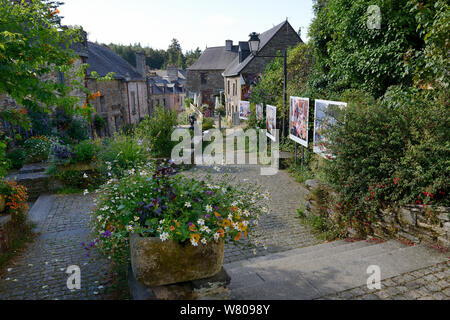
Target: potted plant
pixel 175 227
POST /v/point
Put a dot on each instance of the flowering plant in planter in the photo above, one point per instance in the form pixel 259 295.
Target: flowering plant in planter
pixel 14 195
pixel 163 204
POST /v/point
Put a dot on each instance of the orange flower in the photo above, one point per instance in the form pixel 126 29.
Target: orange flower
pixel 172 228
pixel 195 237
pixel 242 227
pixel 217 214
pixel 226 223
pixel 192 228
pixel 238 237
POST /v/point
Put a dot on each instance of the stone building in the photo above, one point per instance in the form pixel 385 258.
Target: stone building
pixel 204 78
pixel 245 69
pixel 167 88
pixel 124 99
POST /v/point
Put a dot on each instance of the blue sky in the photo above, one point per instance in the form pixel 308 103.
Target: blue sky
pixel 195 23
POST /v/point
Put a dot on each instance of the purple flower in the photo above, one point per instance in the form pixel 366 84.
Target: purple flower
pixel 106 234
pixel 216 208
pixel 207 216
pixel 209 193
pixel 190 224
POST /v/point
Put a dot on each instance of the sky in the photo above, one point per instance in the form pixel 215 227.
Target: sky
pixel 195 23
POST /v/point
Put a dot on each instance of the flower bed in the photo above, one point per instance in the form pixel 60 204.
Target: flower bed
pixel 161 203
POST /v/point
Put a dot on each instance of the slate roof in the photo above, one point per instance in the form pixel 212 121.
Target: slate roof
pixel 103 60
pixel 215 58
pixel 234 68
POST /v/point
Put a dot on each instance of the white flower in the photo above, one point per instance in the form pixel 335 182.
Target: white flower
pixel 159 229
pixel 208 230
pixel 164 236
pixel 204 241
pixel 201 222
pixel 129 228
pixel 99 218
pixel 216 236
pixel 194 243
pixel 86 192
pixel 162 221
pixel 245 223
pixel 230 217
pixel 209 208
pixel 85 176
pixel 246 213
pixel 236 226
pixel 224 190
pixel 187 205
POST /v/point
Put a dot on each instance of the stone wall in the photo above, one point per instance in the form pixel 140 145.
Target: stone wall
pixel 414 223
pixel 214 83
pixel 232 99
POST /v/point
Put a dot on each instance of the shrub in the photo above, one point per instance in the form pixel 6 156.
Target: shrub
pixel 157 131
pixel 84 152
pixel 121 153
pixel 208 123
pixel 4 162
pixel 16 158
pixel 80 179
pixel 37 149
pixel 391 152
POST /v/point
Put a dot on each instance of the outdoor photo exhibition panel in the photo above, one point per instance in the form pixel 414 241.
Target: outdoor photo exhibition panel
pixel 327 114
pixel 298 120
pixel 271 122
pixel 244 110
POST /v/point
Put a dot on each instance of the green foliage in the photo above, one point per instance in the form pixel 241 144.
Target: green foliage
pixel 33 47
pixel 158 58
pixel 4 161
pixel 121 153
pixel 412 45
pixel 208 123
pixel 84 152
pixel 80 179
pixel 392 151
pixel 157 131
pixel 99 122
pixel 17 158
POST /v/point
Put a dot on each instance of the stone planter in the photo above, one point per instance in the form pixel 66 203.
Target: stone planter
pixel 156 263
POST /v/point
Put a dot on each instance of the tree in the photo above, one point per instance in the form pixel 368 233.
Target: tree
pixel 192 56
pixel 175 54
pixel 34 47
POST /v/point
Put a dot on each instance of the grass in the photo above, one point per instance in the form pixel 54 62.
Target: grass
pixel 321 227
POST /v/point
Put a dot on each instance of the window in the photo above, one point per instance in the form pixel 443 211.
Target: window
pixel 234 89
pixel 203 78
pixel 228 87
pixel 102 104
pixel 133 102
pixel 164 100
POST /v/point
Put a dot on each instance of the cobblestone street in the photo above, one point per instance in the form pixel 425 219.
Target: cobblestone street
pixel 40 271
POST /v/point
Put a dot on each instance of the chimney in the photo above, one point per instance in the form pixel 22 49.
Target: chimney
pixel 229 45
pixel 141 63
pixel 172 72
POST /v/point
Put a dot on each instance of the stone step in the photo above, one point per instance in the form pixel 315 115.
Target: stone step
pixel 296 278
pixel 32 168
pixel 306 253
pixel 40 210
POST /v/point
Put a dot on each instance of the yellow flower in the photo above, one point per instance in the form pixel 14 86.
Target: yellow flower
pixel 195 237
pixel 226 223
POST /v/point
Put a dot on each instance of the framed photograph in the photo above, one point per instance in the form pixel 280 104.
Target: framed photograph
pixel 327 114
pixel 244 110
pixel 271 122
pixel 298 120
pixel 259 112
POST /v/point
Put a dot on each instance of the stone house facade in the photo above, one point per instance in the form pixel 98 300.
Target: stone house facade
pixel 204 78
pixel 245 69
pixel 124 99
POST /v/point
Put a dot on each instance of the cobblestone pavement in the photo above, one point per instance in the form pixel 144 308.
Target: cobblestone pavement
pixel 281 230
pixel 39 273
pixel 431 283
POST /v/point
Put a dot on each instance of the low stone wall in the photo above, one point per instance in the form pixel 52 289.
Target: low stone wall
pixel 414 223
pixel 429 224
